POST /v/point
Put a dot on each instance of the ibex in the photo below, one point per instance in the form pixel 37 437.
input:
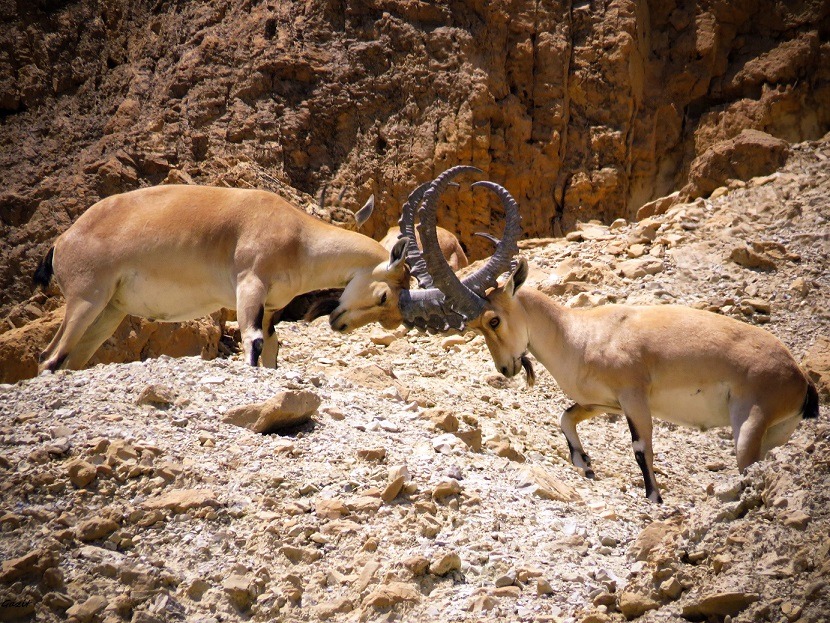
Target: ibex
pixel 682 365
pixel 180 252
pixel 679 364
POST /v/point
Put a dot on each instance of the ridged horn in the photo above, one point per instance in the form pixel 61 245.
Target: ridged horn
pixel 417 265
pixel 363 214
pixel 433 309
pixel 506 249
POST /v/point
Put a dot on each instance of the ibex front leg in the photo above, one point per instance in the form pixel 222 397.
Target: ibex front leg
pixel 271 347
pixel 570 418
pixel 250 312
pixel 637 413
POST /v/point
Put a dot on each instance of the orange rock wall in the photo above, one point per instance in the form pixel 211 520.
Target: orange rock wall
pixel 581 109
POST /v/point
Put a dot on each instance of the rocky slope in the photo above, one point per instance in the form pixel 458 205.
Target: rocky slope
pixel 425 486
pixel 583 109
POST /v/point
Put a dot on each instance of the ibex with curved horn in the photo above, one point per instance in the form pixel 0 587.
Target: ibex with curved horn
pixel 683 365
pixel 180 252
pixel 679 364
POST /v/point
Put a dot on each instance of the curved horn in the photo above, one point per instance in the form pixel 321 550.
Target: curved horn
pixel 417 265
pixel 448 305
pixel 506 248
pixel 414 257
pixel 463 300
pixel 490 237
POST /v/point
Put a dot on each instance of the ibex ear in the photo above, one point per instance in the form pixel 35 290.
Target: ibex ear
pixel 363 214
pixel 517 277
pixel 397 257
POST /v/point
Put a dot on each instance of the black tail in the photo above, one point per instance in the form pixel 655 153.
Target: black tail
pixel 43 273
pixel 810 406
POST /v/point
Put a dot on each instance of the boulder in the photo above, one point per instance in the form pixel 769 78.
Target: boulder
pixel 749 154
pixel 721 604
pixel 182 500
pixel 286 409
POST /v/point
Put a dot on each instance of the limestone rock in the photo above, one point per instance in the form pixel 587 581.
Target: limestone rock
pixel 418 565
pixel 35 563
pixel 657 206
pixel 340 605
pixel 387 595
pixel 286 409
pixel 182 500
pixel 445 563
pixel 238 588
pixel 372 454
pixel 640 267
pixel 545 485
pixel 718 604
pixel 95 529
pixel 446 488
pixel 652 536
pixel 157 396
pixel 81 473
pixel 442 419
pixel 134 339
pixel 85 611
pixel 633 604
pixel 331 509
pixel 751 153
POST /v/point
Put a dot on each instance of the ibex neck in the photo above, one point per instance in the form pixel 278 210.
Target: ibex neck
pixel 333 260
pixel 547 323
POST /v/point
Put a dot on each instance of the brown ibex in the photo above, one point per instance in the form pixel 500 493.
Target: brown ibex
pixel 180 252
pixel 679 364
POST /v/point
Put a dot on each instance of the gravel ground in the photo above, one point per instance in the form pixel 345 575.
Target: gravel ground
pixel 426 486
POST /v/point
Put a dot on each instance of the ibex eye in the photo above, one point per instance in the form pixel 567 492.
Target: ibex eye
pixel 383 299
pixel 495 322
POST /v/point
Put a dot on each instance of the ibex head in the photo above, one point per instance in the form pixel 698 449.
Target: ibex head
pixel 374 296
pixel 445 303
pixel 504 326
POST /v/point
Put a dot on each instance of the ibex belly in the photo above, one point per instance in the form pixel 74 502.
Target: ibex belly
pixel 701 406
pixel 162 297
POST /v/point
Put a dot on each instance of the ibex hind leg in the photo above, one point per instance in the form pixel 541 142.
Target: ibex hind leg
pixel 778 434
pixel 104 326
pixel 570 418
pixel 79 317
pixel 748 430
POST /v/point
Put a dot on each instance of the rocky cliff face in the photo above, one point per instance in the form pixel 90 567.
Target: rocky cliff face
pixel 582 109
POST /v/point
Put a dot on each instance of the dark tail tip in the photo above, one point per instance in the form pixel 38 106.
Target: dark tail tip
pixel 43 273
pixel 810 407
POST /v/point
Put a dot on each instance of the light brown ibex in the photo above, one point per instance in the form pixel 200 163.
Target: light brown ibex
pixel 180 252
pixel 679 364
